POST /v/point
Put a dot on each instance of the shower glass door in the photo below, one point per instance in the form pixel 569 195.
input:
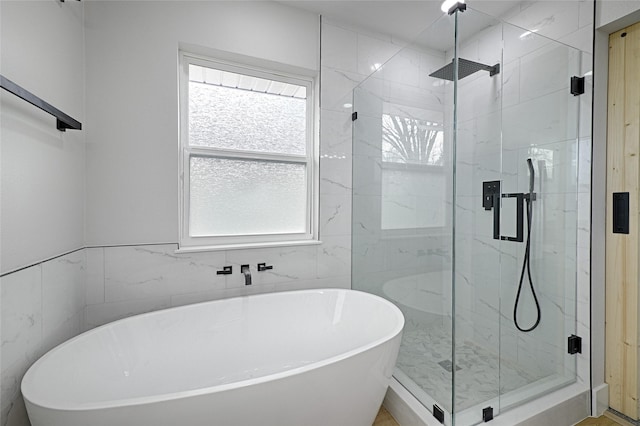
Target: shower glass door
pixel 540 125
pixel 515 216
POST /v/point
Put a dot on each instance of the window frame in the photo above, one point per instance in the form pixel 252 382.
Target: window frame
pixel 188 242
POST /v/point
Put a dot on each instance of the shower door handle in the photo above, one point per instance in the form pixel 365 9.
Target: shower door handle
pixel 519 238
pixel 519 217
pixel 496 216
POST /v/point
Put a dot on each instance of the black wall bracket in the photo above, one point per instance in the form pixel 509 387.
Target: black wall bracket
pixel 63 121
pixel 354 116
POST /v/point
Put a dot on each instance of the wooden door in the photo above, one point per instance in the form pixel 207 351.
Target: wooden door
pixel 623 175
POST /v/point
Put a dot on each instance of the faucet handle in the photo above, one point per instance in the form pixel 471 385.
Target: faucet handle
pixel 264 267
pixel 226 270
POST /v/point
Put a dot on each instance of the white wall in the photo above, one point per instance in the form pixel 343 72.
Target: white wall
pixel 616 13
pixel 43 172
pixel 132 99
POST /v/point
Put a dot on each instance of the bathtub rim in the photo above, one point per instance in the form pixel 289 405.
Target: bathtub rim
pixel 142 400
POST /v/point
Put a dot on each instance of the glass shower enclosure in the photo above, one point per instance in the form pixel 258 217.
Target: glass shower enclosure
pixel 465 148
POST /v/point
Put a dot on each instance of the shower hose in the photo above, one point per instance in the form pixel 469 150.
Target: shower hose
pixel 526 263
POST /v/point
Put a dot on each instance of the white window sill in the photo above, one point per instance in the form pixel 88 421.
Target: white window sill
pixel 195 249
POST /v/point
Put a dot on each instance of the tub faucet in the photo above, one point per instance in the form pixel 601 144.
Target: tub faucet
pixel 247 274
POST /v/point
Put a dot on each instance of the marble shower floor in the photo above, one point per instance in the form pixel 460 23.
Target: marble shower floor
pixel 426 351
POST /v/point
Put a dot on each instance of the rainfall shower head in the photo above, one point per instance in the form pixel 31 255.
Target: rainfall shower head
pixel 465 68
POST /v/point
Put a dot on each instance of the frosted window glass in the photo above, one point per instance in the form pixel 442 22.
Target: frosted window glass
pixel 223 117
pixel 246 197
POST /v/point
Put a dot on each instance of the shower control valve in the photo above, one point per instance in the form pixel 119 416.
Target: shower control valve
pixel 490 192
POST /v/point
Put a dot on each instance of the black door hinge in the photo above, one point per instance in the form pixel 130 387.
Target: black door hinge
pixel 438 413
pixel 575 344
pixel 577 85
pixel 487 414
pixel 354 116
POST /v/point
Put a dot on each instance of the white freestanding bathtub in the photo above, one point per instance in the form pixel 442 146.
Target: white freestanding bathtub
pixel 301 358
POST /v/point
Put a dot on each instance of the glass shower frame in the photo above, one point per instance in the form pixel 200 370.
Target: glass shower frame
pixel 420 229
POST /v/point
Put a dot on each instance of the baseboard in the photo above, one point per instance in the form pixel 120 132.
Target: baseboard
pixel 564 407
pixel 565 413
pixel 405 408
pixel 599 400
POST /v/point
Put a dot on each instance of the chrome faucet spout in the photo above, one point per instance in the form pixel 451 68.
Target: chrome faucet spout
pixel 247 274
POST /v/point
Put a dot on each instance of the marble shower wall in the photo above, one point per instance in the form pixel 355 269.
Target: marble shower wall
pixel 42 306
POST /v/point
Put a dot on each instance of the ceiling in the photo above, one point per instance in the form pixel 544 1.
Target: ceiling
pixel 399 18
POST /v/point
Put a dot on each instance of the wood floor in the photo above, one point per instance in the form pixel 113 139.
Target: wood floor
pixel 600 421
pixel 608 419
pixel 385 419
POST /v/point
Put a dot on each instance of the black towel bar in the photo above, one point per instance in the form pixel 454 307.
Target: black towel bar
pixel 63 121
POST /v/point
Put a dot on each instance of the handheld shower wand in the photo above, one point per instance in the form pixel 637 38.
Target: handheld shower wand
pixel 526 263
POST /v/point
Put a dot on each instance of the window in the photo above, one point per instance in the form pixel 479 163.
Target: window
pixel 413 178
pixel 247 155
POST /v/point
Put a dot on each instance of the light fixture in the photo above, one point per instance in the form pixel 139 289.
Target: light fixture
pixel 527 34
pixel 347 105
pixel 376 66
pixel 448 4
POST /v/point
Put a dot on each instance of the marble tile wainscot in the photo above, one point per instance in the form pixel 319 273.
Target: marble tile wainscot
pixel 42 306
